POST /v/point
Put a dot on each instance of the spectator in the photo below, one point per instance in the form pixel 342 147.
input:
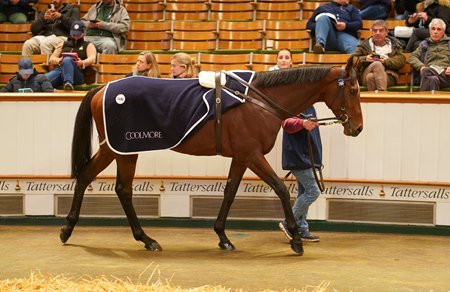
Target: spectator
pixel 51 28
pixel 426 12
pixel 72 58
pixel 405 8
pixel 379 58
pixel 16 11
pixel 375 9
pixel 284 60
pixel 432 58
pixel 107 24
pixel 28 79
pixel 182 66
pixel 146 65
pixel 295 157
pixel 335 26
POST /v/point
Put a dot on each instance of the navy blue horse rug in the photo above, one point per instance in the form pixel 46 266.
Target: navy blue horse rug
pixel 145 114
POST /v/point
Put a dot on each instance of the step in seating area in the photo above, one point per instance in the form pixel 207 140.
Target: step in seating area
pixel 111 67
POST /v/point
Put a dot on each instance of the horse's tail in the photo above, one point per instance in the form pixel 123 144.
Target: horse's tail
pixel 82 134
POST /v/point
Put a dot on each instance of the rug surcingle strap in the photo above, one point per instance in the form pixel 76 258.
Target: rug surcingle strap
pixel 218 103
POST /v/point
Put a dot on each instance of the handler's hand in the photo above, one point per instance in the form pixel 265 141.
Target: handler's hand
pixel 309 124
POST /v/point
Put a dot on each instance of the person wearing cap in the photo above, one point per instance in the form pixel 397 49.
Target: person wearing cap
pixel 51 28
pixel 72 58
pixel 28 78
pixel 107 24
pixel 16 11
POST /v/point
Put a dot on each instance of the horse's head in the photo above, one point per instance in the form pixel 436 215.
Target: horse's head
pixel 345 103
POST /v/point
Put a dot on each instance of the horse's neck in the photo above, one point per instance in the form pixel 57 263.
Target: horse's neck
pixel 296 98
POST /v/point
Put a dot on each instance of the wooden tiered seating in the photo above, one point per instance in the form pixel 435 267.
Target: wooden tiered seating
pixel 9 65
pixel 144 9
pixel 286 34
pixel 12 36
pixel 114 66
pixel 262 61
pixel 245 35
pixel 148 35
pixel 41 5
pixel 278 10
pixel 185 10
pixel 85 5
pixel 193 35
pixel 310 58
pixel 366 32
pixel 217 62
pixel 232 10
pixel 308 8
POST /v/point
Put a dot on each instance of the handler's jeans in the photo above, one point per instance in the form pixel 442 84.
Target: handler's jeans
pixel 332 39
pixel 308 192
pixel 68 72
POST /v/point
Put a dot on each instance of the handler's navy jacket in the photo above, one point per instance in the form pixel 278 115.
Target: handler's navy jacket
pixel 295 147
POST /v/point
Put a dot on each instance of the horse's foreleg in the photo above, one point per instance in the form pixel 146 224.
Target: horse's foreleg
pixel 261 167
pixel 234 179
pixel 126 166
pixel 99 162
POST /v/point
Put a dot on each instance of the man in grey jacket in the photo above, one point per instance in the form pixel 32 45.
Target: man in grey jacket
pixel 432 58
pixel 51 28
pixel 107 24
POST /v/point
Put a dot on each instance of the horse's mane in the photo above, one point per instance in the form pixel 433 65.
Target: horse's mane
pixel 307 74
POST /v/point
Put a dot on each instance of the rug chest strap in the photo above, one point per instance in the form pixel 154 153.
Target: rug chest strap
pixel 218 114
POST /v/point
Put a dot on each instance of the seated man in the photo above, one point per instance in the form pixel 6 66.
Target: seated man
pixel 72 58
pixel 426 12
pixel 335 26
pixel 432 58
pixel 28 79
pixel 107 23
pixel 379 58
pixel 375 9
pixel 51 28
pixel 16 11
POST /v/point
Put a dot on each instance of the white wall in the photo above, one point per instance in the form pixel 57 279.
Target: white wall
pixel 408 142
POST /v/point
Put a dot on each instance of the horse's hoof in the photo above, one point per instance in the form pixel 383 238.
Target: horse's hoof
pixel 154 246
pixel 64 235
pixel 226 246
pixel 297 246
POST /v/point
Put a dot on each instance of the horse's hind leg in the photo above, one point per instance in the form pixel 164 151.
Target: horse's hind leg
pixel 234 179
pixel 99 162
pixel 126 166
pixel 262 168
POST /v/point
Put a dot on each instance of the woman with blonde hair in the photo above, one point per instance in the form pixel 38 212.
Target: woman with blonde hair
pixel 146 65
pixel 182 66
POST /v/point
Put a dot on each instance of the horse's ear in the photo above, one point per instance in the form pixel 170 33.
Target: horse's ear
pixel 352 62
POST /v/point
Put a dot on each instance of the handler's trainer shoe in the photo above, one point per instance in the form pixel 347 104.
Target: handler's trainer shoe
pixel 307 236
pixel 283 228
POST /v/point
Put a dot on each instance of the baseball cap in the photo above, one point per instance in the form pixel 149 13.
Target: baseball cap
pixel 77 27
pixel 26 66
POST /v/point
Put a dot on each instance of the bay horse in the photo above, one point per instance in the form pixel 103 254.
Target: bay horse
pixel 249 132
